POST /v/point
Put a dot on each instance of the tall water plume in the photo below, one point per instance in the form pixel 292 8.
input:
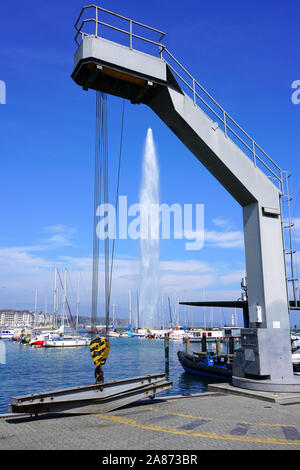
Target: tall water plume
pixel 149 241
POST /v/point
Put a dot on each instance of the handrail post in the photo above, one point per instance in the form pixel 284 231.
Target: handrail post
pixel 160 50
pixel 225 125
pixel 194 91
pixel 254 155
pixel 281 182
pixel 96 29
pixel 130 33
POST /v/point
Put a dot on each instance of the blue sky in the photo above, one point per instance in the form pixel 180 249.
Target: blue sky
pixel 245 54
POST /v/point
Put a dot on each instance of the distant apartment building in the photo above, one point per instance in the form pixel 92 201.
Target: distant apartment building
pixel 15 317
pixel 9 317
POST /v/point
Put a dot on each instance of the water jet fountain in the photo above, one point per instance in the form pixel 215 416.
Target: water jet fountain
pixel 149 241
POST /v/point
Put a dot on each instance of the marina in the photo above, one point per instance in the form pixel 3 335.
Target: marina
pixel 41 369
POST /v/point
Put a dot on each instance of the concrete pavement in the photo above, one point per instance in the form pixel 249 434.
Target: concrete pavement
pixel 212 420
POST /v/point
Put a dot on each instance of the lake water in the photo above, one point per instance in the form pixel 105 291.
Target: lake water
pixel 31 370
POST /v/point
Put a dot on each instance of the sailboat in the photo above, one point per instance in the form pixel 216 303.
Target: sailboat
pixel 39 338
pixel 64 339
pixel 139 333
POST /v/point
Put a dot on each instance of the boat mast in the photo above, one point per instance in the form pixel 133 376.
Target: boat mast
pixel 113 313
pixel 55 299
pixel 78 299
pixel 35 308
pixel 204 310
pixel 185 309
pixel 137 310
pixel 171 323
pixel 162 312
pixel 46 308
pixel 64 298
pixel 175 310
pixel 130 313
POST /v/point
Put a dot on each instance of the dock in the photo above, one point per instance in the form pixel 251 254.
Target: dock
pixel 216 420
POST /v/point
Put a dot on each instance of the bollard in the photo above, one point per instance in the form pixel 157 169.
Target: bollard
pixel 231 345
pixel 167 347
pixel 218 348
pixel 204 346
pixel 187 345
pixel 167 370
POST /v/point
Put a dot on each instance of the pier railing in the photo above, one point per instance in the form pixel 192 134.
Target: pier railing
pixel 127 28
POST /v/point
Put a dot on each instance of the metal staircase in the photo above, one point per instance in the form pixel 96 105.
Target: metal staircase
pixel 288 241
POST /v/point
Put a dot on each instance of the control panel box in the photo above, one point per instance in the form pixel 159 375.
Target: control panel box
pixel 260 348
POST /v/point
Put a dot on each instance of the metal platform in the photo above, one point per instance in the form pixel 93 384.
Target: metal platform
pixel 95 398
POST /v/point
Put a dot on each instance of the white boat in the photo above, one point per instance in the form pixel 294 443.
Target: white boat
pixel 113 334
pixel 178 335
pixel 67 342
pixel 195 336
pixel 39 337
pixel 60 339
pixel 296 356
pixel 296 359
pixel 7 333
pixel 295 338
pixel 140 333
pixel 116 334
pixel 160 334
pixel 210 335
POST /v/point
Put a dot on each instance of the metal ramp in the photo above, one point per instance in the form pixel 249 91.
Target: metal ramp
pixel 98 398
pixel 125 58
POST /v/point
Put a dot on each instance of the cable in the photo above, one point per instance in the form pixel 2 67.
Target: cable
pixel 97 199
pixel 117 197
pixel 101 181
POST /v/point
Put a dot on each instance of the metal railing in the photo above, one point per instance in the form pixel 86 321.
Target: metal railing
pixel 98 22
pixel 229 126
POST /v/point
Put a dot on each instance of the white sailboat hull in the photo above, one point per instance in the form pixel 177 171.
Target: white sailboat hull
pixel 67 342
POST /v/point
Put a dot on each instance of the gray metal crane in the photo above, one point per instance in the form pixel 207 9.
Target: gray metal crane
pixel 244 169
